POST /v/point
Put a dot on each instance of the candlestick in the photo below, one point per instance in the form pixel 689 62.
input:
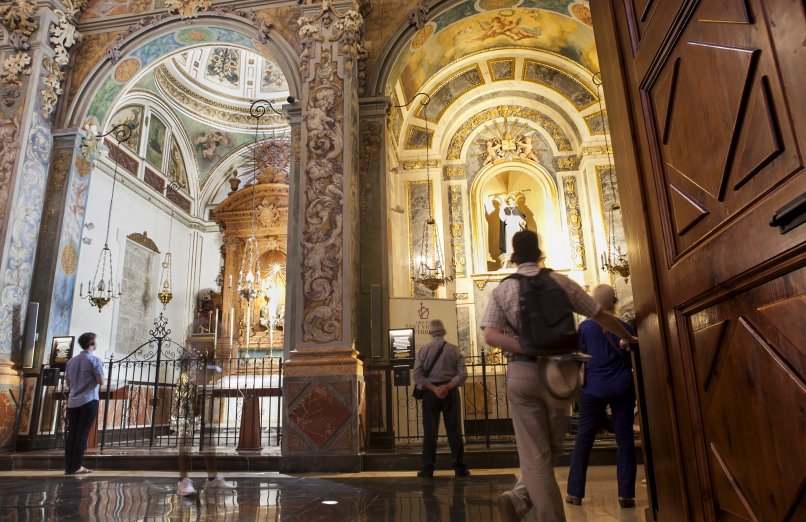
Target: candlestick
pixel 248 321
pixel 231 328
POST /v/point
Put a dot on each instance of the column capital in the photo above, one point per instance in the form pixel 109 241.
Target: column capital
pixel 374 107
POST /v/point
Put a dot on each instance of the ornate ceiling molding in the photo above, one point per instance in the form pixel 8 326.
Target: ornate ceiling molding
pixel 459 138
pixel 213 112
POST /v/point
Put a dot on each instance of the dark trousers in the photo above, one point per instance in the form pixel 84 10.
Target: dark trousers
pixel 79 422
pixel 449 407
pixel 591 409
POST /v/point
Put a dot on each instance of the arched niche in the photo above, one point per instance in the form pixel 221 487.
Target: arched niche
pixel 534 193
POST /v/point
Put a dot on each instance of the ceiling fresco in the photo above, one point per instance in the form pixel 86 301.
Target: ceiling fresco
pixel 560 27
pixel 208 90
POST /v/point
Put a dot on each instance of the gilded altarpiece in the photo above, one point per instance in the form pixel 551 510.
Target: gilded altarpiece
pixel 234 216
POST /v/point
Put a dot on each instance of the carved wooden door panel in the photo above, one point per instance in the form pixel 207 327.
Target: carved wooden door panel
pixel 716 100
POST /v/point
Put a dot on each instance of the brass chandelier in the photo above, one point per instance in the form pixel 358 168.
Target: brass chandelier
pixel 429 266
pixel 613 259
pixel 166 292
pixel 101 289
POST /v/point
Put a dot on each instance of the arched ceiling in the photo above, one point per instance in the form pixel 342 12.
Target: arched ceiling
pixel 203 96
pixel 502 58
pixel 557 26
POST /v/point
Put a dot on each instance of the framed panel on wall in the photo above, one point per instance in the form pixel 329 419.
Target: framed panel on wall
pixel 61 350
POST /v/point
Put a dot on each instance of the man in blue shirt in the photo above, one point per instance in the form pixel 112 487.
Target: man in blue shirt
pixel 608 381
pixel 83 375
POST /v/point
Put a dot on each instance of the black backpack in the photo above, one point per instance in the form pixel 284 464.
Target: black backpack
pixel 546 314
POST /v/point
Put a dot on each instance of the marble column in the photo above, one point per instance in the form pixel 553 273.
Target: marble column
pixel 59 243
pixel 323 384
pixel 31 79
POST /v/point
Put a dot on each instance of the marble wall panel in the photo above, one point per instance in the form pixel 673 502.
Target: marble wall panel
pixel 448 92
pixel 456 230
pixel 597 123
pixel 502 69
pixel 419 138
pixel 464 334
pixel 555 79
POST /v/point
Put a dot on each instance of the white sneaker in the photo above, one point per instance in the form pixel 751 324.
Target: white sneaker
pixel 185 488
pixel 218 483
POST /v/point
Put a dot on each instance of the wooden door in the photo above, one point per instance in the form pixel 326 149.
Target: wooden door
pixel 707 106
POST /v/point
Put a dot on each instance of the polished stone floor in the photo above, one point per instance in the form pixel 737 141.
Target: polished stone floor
pixel 389 497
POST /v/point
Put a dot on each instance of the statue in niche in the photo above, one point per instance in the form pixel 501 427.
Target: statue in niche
pixel 493 235
pixel 512 221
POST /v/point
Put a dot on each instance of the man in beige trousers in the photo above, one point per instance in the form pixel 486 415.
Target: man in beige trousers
pixel 540 420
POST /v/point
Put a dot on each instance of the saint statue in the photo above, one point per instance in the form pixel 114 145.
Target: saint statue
pixel 512 221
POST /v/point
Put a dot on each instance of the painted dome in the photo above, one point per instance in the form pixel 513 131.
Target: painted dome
pixel 216 85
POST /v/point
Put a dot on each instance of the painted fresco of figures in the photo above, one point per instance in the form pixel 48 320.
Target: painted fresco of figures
pixel 208 143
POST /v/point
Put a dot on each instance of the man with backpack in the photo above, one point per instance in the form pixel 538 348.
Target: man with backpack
pixel 439 370
pixel 530 316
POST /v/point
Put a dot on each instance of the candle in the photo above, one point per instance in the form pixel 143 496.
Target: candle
pixel 248 320
pixel 231 328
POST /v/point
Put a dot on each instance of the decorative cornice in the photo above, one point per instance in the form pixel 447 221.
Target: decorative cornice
pixel 144 241
pixel 420 164
pixel 210 110
pixel 595 150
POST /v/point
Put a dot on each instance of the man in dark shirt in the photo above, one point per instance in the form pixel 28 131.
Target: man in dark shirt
pixel 441 394
pixel 608 381
pixel 83 374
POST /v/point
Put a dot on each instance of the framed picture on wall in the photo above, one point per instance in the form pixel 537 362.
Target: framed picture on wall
pixel 61 351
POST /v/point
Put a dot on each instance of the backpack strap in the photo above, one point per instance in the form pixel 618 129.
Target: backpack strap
pixel 544 272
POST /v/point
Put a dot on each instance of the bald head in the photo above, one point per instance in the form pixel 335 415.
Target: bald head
pixel 605 296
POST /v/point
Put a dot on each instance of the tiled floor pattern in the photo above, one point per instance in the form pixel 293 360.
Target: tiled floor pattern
pixel 387 497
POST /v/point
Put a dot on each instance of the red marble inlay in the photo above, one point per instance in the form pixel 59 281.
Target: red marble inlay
pixel 319 415
pixel 8 416
pixel 176 198
pixel 125 161
pixel 343 441
pixel 154 180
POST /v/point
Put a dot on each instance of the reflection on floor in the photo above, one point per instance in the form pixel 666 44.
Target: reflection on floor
pixel 389 497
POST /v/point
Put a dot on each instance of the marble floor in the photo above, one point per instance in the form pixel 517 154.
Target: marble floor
pixel 389 497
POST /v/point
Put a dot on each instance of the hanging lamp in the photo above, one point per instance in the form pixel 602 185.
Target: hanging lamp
pixel 429 266
pixel 613 259
pixel 166 291
pixel 101 288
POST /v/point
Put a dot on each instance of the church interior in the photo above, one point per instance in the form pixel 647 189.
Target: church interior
pixel 259 206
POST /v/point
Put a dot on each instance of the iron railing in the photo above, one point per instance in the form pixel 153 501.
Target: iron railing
pixel 163 395
pixel 394 418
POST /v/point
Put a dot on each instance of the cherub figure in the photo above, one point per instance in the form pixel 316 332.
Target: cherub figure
pixel 526 149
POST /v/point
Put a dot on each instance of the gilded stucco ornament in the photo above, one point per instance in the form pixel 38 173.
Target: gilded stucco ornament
pixel 19 16
pixel 15 66
pixel 263 26
pixel 188 8
pixel 63 33
pixel 52 82
pixel 90 143
pixel 346 28
pixel 19 19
